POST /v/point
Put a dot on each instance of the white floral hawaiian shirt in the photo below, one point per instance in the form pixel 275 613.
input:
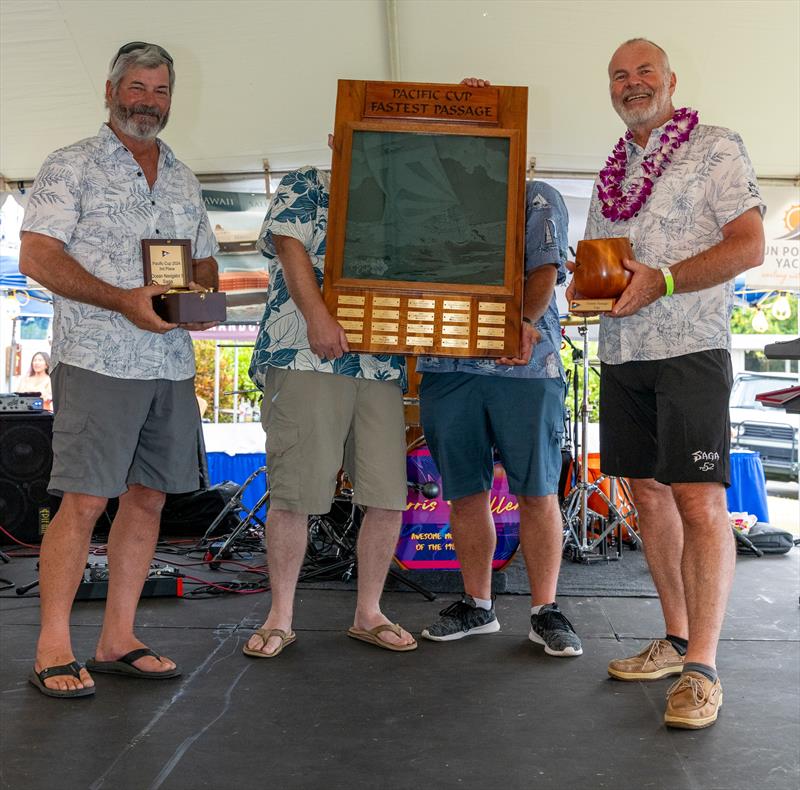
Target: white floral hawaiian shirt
pixel 299 209
pixel 709 183
pixel 94 197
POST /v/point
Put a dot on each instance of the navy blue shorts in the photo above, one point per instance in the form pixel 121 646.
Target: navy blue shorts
pixel 467 416
pixel 667 419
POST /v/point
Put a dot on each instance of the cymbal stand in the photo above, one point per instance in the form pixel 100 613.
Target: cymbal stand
pixel 575 511
pixel 249 520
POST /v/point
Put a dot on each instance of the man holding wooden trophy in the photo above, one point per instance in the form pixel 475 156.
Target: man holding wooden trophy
pixel 686 197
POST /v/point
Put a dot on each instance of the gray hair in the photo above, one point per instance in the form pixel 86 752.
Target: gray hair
pixel 148 57
pixel 641 40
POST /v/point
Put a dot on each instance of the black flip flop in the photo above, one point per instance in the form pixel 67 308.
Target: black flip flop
pixel 124 666
pixel 73 669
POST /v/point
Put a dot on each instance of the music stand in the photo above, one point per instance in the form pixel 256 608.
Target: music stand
pixel 575 510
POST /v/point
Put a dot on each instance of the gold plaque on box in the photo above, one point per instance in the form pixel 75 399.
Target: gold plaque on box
pixel 386 314
pixel 350 299
pixel 427 211
pixel 169 262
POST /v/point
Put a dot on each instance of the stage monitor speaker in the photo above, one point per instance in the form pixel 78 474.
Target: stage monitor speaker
pixel 26 457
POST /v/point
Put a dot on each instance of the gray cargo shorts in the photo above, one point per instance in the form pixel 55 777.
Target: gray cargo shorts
pixel 111 433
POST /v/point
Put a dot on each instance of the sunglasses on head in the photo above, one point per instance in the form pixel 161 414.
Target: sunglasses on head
pixel 132 46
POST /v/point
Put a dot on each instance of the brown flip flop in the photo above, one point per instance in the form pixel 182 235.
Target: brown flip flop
pixel 372 636
pixel 264 634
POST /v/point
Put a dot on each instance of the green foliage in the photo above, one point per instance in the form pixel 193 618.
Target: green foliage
pixel 204 380
pixel 742 320
pixel 594 379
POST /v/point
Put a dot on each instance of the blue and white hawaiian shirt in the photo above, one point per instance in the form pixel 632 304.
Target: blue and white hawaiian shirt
pixel 299 209
pixel 93 196
pixel 709 183
pixel 546 225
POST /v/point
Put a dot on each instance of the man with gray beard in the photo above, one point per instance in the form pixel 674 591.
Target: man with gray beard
pixel 686 196
pixel 126 417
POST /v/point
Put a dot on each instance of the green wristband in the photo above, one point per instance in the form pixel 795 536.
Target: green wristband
pixel 668 281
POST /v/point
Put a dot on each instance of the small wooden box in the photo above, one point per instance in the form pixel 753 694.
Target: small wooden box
pixel 191 307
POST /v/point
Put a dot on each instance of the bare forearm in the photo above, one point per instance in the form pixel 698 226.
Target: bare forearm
pixel 44 260
pixel 738 251
pixel 539 287
pixel 300 277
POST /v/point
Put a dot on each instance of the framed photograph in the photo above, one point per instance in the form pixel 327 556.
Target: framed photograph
pixel 426 224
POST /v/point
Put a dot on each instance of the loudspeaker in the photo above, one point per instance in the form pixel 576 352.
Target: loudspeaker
pixel 26 457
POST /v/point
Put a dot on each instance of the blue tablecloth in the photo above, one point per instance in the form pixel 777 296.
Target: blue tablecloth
pixel 748 491
pixel 222 467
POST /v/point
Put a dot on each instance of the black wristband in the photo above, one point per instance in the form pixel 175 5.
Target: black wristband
pixel 527 320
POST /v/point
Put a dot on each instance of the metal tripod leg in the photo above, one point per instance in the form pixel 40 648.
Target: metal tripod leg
pixel 575 511
pixel 236 502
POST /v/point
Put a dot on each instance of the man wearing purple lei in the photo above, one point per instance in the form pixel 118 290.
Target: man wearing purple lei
pixel 686 196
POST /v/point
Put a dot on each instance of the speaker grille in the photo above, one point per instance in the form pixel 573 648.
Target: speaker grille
pixel 25 452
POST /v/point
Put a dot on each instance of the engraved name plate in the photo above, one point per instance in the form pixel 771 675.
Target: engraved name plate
pixel 454 342
pixel 350 299
pixel 490 344
pixel 491 319
pixel 449 305
pixel 351 312
pixel 491 331
pixel 419 341
pixel 457 318
pixel 414 316
pixel 386 301
pixel 492 307
pixel 425 304
pixel 385 340
pixel 386 314
pixel 455 329
pixel 379 326
pixel 420 329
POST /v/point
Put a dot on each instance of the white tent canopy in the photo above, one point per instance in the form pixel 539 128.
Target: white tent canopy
pixel 256 79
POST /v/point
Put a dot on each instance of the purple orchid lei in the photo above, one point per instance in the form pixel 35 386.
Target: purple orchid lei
pixel 620 205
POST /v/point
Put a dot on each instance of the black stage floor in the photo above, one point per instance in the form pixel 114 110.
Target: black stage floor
pixel 485 712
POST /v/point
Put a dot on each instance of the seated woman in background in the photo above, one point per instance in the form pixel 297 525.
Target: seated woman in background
pixel 37 379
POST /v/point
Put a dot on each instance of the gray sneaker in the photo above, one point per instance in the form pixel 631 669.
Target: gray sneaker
pixel 551 629
pixel 460 619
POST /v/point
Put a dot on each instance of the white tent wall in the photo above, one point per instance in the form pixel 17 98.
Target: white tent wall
pixel 256 79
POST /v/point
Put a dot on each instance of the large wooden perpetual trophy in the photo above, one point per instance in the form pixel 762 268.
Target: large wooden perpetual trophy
pixel 599 276
pixel 426 225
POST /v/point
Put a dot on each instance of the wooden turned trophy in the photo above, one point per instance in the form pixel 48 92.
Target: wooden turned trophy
pixel 599 276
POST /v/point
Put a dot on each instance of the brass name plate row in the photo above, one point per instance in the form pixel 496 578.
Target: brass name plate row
pixel 409 325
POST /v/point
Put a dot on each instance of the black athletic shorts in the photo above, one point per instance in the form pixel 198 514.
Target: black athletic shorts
pixel 667 419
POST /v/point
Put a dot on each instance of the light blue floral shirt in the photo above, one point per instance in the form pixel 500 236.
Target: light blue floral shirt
pixel 708 183
pixel 546 225
pixel 299 210
pixel 94 197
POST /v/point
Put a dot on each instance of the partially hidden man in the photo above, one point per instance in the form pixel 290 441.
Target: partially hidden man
pixel 686 196
pixel 475 409
pixel 324 408
pixel 126 419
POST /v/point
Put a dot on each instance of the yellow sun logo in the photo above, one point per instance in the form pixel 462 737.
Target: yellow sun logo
pixel 792 218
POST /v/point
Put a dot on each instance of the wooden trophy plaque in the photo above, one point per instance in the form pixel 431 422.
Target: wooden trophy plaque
pixel 169 262
pixel 426 225
pixel 599 275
